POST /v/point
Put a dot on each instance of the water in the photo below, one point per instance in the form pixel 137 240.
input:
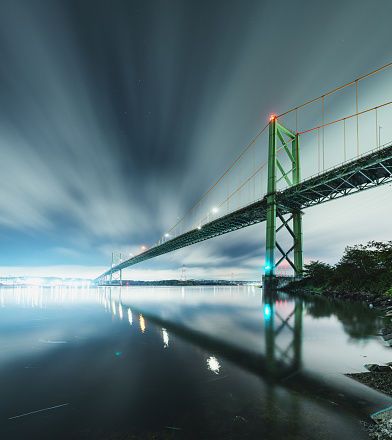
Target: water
pixel 184 363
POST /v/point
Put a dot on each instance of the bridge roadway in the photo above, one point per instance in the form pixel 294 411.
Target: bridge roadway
pixel 368 171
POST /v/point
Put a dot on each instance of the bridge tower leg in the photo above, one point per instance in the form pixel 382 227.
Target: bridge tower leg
pixel 278 132
pixel 116 275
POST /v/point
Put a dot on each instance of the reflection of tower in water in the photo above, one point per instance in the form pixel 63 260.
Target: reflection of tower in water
pixel 275 326
pixel 282 353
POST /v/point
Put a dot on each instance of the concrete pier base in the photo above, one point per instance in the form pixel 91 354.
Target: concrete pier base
pixel 277 283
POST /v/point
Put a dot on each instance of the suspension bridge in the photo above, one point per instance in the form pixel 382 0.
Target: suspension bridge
pixel 275 192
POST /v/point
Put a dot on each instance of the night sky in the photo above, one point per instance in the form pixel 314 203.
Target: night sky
pixel 116 117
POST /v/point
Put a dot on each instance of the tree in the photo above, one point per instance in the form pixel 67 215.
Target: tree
pixel 365 267
pixel 319 272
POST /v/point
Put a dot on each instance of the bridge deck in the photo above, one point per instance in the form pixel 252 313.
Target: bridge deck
pixel 368 171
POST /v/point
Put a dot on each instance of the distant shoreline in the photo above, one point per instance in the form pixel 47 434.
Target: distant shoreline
pixel 174 283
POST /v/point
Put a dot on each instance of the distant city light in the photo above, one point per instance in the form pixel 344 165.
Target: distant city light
pixel 36 281
pixel 44 281
pixel 143 247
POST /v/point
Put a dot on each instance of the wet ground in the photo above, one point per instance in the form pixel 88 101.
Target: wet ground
pixel 184 363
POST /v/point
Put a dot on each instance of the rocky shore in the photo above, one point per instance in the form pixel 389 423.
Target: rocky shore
pixel 379 302
pixel 378 377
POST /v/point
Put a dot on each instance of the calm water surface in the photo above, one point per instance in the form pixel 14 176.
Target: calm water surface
pixel 184 363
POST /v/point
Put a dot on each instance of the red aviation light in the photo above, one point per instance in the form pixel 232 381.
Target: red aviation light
pixel 272 118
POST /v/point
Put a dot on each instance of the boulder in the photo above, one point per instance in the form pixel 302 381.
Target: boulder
pixel 378 368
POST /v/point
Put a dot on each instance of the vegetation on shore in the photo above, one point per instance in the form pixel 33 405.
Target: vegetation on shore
pixel 362 268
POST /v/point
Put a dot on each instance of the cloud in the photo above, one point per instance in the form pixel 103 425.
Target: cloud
pixel 116 120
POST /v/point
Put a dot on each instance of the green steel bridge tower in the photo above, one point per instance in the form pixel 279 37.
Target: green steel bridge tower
pixel 276 143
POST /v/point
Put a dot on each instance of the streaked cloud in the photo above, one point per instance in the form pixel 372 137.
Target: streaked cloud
pixel 117 117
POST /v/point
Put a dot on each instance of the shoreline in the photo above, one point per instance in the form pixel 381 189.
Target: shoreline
pixel 379 377
pixel 374 300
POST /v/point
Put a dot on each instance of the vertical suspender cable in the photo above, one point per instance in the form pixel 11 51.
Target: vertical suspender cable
pixel 254 178
pixel 261 183
pixel 376 131
pixel 239 184
pixel 318 149
pixel 344 137
pixel 322 100
pixel 208 207
pixel 356 103
pixel 227 196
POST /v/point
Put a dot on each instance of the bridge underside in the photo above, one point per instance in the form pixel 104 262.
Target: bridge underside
pixel 368 171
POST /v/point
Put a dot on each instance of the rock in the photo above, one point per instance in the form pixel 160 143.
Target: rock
pixel 371 367
pixel 240 419
pixel 378 368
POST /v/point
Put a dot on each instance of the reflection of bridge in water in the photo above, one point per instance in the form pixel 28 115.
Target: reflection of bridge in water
pixel 280 365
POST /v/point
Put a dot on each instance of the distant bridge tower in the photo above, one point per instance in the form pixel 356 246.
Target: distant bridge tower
pixel 183 273
pixel 116 275
pixel 292 177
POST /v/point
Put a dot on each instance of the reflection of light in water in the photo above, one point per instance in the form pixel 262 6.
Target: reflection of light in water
pixel 142 323
pixel 114 307
pixel 165 336
pixel 267 311
pixel 130 316
pixel 120 311
pixel 213 364
pixel 39 296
